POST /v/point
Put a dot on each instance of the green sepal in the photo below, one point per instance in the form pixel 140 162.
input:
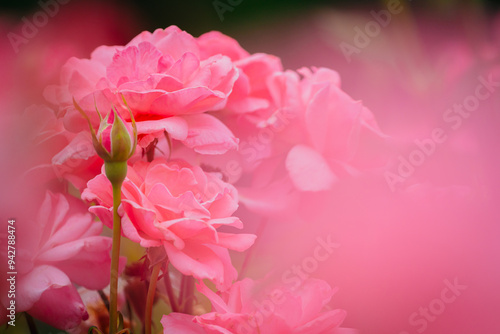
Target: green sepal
pixel 101 151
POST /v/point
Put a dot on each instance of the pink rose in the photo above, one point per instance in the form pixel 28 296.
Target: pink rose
pixel 62 247
pixel 251 307
pixel 178 207
pixel 165 80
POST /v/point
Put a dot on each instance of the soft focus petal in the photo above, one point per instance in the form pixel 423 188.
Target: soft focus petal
pixel 308 169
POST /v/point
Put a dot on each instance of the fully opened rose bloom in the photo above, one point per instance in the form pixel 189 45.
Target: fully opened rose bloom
pixel 336 136
pixel 60 248
pixel 165 79
pixel 178 207
pixel 322 132
pixel 249 307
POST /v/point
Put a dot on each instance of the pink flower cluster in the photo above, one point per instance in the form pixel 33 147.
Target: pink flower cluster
pixel 208 93
pixel 215 126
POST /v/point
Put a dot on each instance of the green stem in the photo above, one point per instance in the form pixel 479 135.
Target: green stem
pixel 151 297
pixel 115 259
